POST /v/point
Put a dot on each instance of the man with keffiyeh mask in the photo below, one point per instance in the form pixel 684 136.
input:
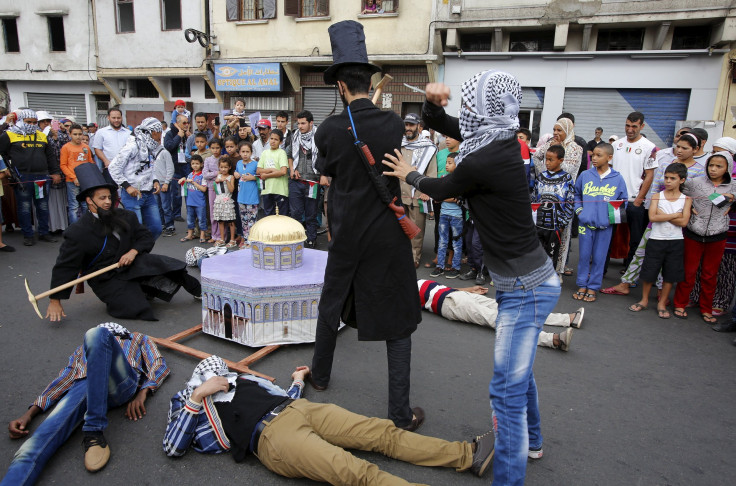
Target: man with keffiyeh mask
pixel 27 152
pixel 113 367
pixel 132 169
pixel 423 155
pixel 491 178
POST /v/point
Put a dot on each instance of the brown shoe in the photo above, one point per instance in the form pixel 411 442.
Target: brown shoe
pixel 416 421
pixel 317 387
pixel 96 451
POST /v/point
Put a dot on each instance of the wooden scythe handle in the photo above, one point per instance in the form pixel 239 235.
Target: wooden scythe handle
pixel 76 281
pixel 379 88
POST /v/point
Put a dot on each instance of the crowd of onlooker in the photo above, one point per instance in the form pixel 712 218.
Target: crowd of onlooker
pixel 220 179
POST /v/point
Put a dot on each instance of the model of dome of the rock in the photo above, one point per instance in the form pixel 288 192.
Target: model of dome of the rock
pixel 277 243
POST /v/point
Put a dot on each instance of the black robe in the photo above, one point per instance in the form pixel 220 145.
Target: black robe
pixel 123 290
pixel 369 252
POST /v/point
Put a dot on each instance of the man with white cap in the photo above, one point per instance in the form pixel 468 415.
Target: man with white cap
pixel 26 150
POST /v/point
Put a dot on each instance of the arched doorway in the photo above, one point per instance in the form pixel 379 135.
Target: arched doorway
pixel 227 312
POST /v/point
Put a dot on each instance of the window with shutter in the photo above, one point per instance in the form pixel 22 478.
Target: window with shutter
pixel 291 8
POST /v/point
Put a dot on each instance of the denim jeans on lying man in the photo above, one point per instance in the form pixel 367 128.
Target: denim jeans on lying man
pixel 110 382
pixel 513 391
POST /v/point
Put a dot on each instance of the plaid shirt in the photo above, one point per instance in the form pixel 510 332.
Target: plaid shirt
pixel 190 424
pixel 140 352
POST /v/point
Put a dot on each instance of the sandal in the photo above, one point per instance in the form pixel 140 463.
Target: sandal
pixel 663 313
pixel 709 319
pixel 590 296
pixel 612 291
pixel 567 272
pixel 680 313
pixel 579 295
pixel 186 238
pixel 231 244
pixel 219 243
pixel 637 307
pixel 203 240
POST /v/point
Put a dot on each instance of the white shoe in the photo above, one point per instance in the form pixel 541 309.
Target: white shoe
pixel 535 453
pixel 577 321
pixel 565 338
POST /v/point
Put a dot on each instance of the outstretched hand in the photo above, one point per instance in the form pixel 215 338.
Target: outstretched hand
pixel 136 408
pixel 301 373
pixel 55 312
pixel 398 165
pixel 476 289
pixel 18 428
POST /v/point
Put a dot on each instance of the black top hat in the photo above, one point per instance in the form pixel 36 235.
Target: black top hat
pixel 90 178
pixel 348 48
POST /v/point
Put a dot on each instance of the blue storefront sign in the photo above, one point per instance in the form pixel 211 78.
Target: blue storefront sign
pixel 248 77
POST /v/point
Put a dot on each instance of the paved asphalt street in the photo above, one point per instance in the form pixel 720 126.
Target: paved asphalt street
pixel 637 400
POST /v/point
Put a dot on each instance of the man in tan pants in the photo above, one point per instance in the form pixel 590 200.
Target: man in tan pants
pixel 423 156
pixel 220 411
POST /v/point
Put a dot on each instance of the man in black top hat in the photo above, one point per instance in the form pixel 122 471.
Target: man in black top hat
pixel 105 235
pixel 369 264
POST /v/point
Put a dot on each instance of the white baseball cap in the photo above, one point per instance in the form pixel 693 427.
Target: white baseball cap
pixel 43 115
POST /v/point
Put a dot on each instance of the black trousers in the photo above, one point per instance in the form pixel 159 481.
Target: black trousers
pixel 638 219
pixel 398 352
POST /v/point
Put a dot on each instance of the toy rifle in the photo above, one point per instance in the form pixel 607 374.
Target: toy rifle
pixel 408 226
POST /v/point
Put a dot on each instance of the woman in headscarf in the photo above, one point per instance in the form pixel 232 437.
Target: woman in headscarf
pixel 490 177
pixel 133 170
pixel 563 134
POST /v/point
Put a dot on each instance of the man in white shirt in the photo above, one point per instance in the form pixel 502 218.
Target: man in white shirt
pixel 109 140
pixel 634 158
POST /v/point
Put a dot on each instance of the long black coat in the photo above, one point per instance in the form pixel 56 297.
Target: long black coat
pixel 119 289
pixel 368 252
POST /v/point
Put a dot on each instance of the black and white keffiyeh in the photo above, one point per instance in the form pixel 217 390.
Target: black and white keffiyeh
pixel 21 127
pixel 206 369
pixel 490 110
pixel 116 329
pixel 146 144
pixel 304 141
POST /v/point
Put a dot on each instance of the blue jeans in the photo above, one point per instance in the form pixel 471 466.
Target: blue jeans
pixel 197 213
pixel 164 204
pixel 303 208
pixel 516 419
pixel 24 197
pixel 451 230
pixel 110 382
pixel 174 188
pixel 146 208
pixel 72 205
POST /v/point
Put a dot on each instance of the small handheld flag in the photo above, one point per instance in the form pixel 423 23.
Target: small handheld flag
pixel 718 200
pixel 38 190
pixel 424 207
pixel 535 208
pixel 616 212
pixel 313 190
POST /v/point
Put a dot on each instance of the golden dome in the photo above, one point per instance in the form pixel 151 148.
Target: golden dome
pixel 277 229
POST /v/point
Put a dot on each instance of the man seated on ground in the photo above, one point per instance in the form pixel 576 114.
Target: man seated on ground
pixel 470 304
pixel 220 411
pixel 113 367
pixel 105 235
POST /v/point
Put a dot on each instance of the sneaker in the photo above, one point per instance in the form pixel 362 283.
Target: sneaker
pixel 480 279
pixel 28 241
pixel 47 238
pixel 436 272
pixel 168 232
pixel 309 244
pixel 535 452
pixel 565 338
pixel 469 275
pixel 96 451
pixel 483 455
pixel 452 273
pixel 577 321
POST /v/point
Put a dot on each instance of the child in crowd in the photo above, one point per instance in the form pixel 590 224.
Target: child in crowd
pixel 209 172
pixel 194 188
pixel 200 142
pixel 553 196
pixel 180 108
pixel 248 196
pixel 373 7
pixel 224 209
pixel 706 232
pixel 72 154
pixel 85 138
pixel 669 211
pixel 231 147
pixel 450 230
pixel 600 200
pixel 273 169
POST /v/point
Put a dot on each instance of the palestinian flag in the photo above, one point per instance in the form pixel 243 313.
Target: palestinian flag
pixel 313 190
pixel 425 207
pixel 616 212
pixel 219 188
pixel 718 200
pixel 535 207
pixel 38 190
pixel 184 189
